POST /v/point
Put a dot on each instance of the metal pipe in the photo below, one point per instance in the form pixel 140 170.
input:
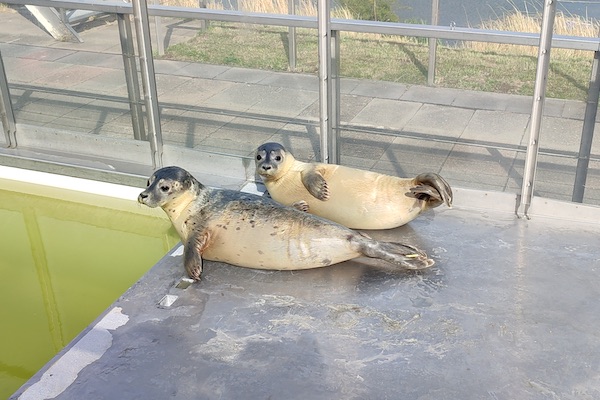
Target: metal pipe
pixel 334 138
pixel 158 29
pixel 587 133
pixel 142 27
pixel 131 77
pixel 324 39
pixel 51 20
pixel 539 95
pixel 204 23
pixel 6 110
pixel 292 52
pixel 435 17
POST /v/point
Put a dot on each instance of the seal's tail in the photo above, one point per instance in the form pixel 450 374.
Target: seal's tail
pixel 431 188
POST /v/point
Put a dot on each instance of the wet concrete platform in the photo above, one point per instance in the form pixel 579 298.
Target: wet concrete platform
pixel 509 311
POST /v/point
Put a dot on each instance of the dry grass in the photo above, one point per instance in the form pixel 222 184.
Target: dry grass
pixel 569 25
pixel 5 9
pixel 191 4
pixel 303 7
pixel 276 7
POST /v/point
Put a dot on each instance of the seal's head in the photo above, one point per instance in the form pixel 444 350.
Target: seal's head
pixel 166 185
pixel 272 160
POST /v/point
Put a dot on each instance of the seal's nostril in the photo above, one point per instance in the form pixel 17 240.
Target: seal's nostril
pixel 266 167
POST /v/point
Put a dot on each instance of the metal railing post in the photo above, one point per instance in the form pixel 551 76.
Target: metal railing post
pixel 292 52
pixel 142 28
pixel 539 95
pixel 587 133
pixel 334 143
pixel 6 110
pixel 435 18
pixel 131 77
pixel 204 23
pixel 325 89
pixel 158 29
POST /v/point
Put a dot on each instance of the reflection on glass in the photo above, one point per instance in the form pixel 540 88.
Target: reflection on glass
pixel 62 263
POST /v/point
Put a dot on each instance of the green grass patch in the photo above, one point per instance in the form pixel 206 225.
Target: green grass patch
pixel 394 59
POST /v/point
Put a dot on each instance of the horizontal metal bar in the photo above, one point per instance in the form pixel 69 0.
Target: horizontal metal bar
pixel 107 7
pixel 297 21
pixel 467 34
pixel 387 28
pixel 179 12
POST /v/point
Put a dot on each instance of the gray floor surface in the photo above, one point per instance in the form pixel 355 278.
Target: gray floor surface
pixel 509 311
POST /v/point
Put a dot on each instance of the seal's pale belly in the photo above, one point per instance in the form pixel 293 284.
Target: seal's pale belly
pixel 264 247
pixel 362 213
pixel 359 199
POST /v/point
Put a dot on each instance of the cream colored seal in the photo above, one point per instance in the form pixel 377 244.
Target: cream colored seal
pixel 352 197
pixel 252 231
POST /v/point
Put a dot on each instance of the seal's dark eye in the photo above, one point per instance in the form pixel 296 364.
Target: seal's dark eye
pixel 258 157
pixel 278 158
pixel 164 188
pixel 148 183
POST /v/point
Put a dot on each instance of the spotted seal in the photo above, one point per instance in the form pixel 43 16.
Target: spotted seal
pixel 247 230
pixel 352 197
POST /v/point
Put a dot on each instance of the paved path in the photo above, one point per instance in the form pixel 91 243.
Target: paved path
pixel 474 139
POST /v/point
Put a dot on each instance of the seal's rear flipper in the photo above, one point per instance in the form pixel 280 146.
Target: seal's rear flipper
pixel 431 188
pixel 403 255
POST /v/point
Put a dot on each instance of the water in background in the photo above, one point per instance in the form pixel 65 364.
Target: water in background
pixel 469 13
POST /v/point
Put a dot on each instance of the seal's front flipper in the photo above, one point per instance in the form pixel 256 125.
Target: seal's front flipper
pixel 192 255
pixel 431 188
pixel 301 205
pixel 316 185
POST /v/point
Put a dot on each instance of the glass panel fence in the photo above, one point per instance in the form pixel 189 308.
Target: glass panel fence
pixel 225 87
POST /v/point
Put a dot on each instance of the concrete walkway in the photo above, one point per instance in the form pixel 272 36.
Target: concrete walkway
pixel 474 139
